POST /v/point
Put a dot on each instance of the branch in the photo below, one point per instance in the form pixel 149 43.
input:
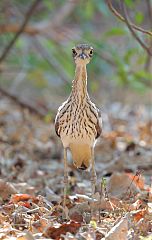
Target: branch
pixel 33 109
pixel 120 17
pixel 52 62
pixel 104 57
pixel 44 28
pixel 14 28
pixel 147 49
pixel 21 29
pixel 149 10
pixel 61 14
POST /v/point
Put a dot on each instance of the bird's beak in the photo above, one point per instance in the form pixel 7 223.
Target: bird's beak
pixel 82 56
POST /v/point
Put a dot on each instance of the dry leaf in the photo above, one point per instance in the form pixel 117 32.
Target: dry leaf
pixel 135 205
pixel 3 218
pixel 119 231
pixel 55 232
pixel 139 214
pixel 6 189
pixel 40 225
pixel 138 180
pixel 144 225
pixel 22 198
pixel 26 236
pixel 76 217
pixel 119 184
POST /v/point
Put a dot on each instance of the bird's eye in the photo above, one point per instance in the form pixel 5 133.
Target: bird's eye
pixel 74 52
pixel 91 52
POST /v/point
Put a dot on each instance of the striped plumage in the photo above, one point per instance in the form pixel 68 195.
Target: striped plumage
pixel 78 121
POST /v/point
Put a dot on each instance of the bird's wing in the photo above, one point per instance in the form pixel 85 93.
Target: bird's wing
pixel 99 124
pixel 57 125
pixel 61 111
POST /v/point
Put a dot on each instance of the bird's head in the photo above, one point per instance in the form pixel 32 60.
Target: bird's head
pixel 82 53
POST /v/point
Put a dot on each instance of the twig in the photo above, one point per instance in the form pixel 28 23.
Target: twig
pixel 104 204
pixel 120 17
pixel 62 13
pixel 14 28
pixel 105 57
pixel 149 10
pixel 145 47
pixel 33 109
pixel 48 28
pixel 138 174
pixel 51 61
pixel 27 17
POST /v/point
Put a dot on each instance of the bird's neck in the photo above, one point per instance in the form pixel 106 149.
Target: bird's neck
pixel 79 85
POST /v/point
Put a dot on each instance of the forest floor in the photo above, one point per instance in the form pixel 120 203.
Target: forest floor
pixel 31 178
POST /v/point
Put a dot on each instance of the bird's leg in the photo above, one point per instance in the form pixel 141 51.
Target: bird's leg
pixel 94 176
pixel 65 176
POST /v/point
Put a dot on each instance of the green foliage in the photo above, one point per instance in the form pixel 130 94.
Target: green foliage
pixel 37 78
pixel 139 17
pixel 115 31
pixel 90 22
pixel 129 3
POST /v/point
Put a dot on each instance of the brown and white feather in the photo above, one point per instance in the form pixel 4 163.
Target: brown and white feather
pixel 78 122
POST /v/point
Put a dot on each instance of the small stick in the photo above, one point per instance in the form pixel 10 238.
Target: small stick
pixel 120 17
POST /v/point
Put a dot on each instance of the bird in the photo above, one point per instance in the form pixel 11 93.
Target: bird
pixel 78 122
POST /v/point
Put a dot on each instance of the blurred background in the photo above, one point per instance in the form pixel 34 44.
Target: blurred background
pixel 39 68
